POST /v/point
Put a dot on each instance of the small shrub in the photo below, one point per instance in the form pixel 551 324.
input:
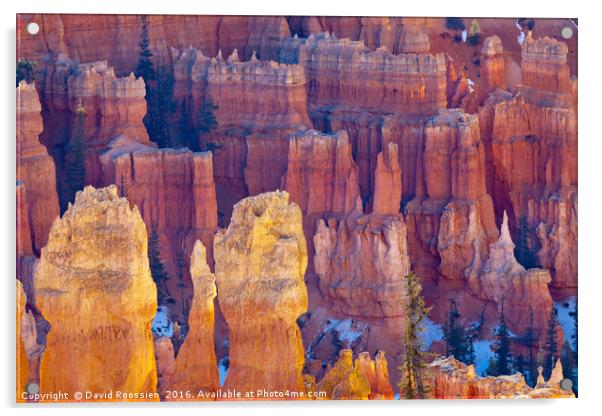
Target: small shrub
pixel 455 23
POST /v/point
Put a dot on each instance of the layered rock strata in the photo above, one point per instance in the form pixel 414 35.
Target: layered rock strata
pixel 260 263
pixel 94 269
pixel 22 367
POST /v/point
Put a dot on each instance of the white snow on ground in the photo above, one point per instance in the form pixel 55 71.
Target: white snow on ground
pixel 161 325
pixel 483 352
pixel 565 320
pixel 464 35
pixel 521 38
pixel 347 333
pixel 432 332
pixel 223 371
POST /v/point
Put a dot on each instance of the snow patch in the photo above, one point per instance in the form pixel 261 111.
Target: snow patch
pixel 483 353
pixel 222 368
pixel 432 332
pixel 566 320
pixel 162 325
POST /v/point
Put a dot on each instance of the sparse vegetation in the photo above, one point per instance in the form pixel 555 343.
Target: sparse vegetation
pixel 412 384
pixel 75 157
pixel 454 23
pixel 26 70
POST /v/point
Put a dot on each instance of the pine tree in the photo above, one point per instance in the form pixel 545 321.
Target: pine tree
pixel 207 122
pixel 412 384
pixel 524 255
pixel 26 70
pixel 529 340
pixel 75 158
pixel 502 357
pixel 457 342
pixel 123 191
pixel 551 354
pixel 157 267
pixel 575 334
pixel 145 68
pixel 163 108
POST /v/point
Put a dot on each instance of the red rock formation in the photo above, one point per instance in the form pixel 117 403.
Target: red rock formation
pixel 387 182
pixel 533 138
pixel 377 374
pixel 260 263
pixel 260 103
pixel 341 72
pixel 173 189
pixel 492 67
pixel 412 40
pixel 196 365
pixel 544 65
pixel 166 366
pixel 38 205
pixel 523 292
pixel 361 263
pixel 93 284
pixel 450 217
pixel 451 379
pixel 115 38
pixel 321 176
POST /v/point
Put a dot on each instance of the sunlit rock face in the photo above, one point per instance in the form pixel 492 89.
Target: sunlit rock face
pixel 260 262
pixel 451 379
pixel 196 366
pixel 361 263
pixel 36 194
pixel 93 284
pixel 21 356
pixel 359 379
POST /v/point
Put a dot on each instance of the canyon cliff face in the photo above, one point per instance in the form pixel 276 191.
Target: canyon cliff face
pixel 361 264
pixel 260 262
pixel 196 365
pixel 533 141
pixel 36 195
pixel 93 269
pixel 451 379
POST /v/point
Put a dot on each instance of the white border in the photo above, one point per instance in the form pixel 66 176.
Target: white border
pixel 590 160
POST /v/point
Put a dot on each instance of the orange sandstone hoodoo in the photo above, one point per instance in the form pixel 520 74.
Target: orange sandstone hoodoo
pixel 93 284
pixel 260 262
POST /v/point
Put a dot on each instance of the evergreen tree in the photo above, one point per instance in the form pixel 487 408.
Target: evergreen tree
pixel 475 33
pixel 575 334
pixel 412 384
pixel 519 364
pixel 529 341
pixel 551 354
pixel 502 357
pixel 524 255
pixel 457 342
pixel 207 122
pixel 185 130
pixel 157 267
pixel 26 70
pixel 122 188
pixel 162 109
pixel 75 157
pixel 145 68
